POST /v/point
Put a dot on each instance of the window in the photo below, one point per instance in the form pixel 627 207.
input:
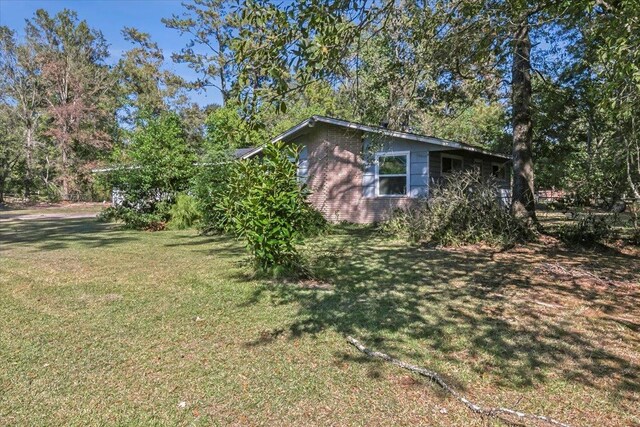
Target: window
pixel 451 163
pixel 392 174
pixel 302 167
pixel 498 171
pixel 477 166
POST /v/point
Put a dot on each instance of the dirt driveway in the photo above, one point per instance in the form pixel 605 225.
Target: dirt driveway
pixel 47 212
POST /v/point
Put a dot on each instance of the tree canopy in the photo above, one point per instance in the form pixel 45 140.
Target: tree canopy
pixel 556 84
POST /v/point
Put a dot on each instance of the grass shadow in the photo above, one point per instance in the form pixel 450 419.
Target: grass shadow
pixel 484 310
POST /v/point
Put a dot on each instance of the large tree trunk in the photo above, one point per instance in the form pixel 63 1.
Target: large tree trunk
pixel 522 204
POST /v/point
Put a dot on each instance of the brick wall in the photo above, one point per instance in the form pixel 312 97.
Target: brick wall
pixel 335 171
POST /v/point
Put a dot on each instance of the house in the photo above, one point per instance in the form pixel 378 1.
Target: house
pixel 359 173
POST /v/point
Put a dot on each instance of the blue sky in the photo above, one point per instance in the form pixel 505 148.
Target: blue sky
pixel 110 16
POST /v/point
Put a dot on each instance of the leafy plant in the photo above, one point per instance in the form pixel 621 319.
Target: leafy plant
pixel 587 230
pixel 158 164
pixel 464 209
pixel 266 206
pixel 184 213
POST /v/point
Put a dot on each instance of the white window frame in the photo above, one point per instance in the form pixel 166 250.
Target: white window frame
pixel 450 156
pixel 407 154
pixel 501 166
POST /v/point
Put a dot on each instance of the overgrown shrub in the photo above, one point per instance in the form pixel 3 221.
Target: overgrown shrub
pixel 464 209
pixel 587 230
pixel 210 187
pixel 266 205
pixel 138 218
pixel 154 167
pixel 184 213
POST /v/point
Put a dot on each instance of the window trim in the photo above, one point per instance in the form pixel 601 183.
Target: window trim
pixel 450 156
pixel 501 167
pixel 407 173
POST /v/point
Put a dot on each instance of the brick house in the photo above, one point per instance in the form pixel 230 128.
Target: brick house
pixel 359 173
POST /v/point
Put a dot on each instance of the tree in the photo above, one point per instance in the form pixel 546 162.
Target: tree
pixel 207 52
pixel 297 43
pixel 614 38
pixel 145 84
pixel 77 88
pixel 20 85
pixel 11 152
pixel 157 160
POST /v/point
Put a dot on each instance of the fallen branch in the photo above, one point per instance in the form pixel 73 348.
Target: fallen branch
pixel 578 273
pixel 435 377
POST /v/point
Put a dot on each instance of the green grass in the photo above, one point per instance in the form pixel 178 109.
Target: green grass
pixel 107 326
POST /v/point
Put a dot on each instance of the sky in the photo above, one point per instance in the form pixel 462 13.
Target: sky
pixel 110 16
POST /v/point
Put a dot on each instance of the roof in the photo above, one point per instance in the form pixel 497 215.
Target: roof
pixel 240 152
pixel 311 121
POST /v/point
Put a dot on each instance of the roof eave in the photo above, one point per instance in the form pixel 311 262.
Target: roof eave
pixel 370 129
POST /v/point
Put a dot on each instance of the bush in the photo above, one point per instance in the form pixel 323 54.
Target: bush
pixel 184 213
pixel 587 230
pixel 266 205
pixel 156 166
pixel 211 186
pixel 464 209
pixel 137 217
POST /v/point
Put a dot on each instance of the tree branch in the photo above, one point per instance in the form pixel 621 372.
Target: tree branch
pixel 436 378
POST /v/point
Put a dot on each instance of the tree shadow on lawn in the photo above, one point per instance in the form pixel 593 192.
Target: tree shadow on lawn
pixel 52 234
pixel 494 312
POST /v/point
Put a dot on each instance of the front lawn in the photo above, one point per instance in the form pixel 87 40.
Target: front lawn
pixel 106 326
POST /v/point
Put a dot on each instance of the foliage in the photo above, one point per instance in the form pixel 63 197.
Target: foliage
pixel 587 230
pixel 77 87
pixel 158 164
pixel 143 83
pixel 227 129
pixel 210 187
pixel 208 25
pixel 462 210
pixel 266 206
pixel 184 213
pixel 10 149
pixel 634 239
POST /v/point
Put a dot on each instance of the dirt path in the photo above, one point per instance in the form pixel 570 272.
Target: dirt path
pixel 57 215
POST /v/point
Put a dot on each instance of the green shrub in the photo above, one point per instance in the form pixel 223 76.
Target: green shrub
pixel 266 206
pixel 184 213
pixel 464 209
pixel 587 230
pixel 211 186
pixel 109 214
pixel 156 165
pixel 137 217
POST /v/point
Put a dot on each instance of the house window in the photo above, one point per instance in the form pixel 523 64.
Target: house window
pixel 477 166
pixel 451 163
pixel 392 173
pixel 302 167
pixel 498 171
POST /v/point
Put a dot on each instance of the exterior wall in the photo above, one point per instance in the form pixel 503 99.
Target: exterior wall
pixel 468 159
pixel 418 163
pixel 337 165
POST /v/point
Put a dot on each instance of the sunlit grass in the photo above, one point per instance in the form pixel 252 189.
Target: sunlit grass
pixel 106 326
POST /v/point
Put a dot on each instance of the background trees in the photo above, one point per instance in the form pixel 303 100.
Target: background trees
pixel 556 83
